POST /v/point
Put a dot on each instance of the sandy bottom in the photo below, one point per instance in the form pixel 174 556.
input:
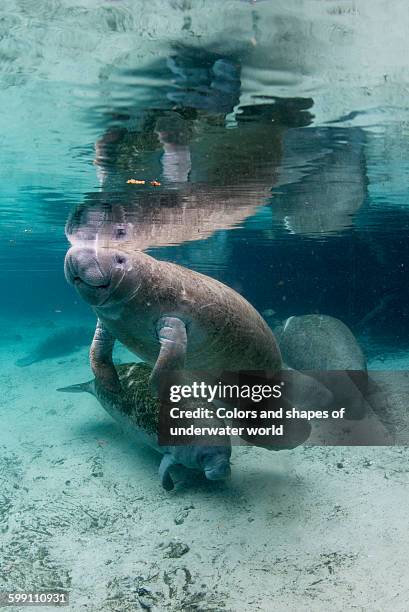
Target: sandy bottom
pixel 81 509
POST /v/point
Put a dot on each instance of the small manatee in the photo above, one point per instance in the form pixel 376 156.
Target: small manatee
pixel 136 409
pixel 60 343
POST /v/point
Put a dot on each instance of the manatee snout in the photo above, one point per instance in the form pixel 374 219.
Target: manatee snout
pixel 95 273
pixel 221 471
pixel 215 463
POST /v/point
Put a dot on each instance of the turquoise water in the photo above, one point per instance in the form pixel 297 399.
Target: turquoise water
pixel 266 144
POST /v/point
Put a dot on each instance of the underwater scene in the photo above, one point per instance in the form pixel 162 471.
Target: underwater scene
pixel 195 189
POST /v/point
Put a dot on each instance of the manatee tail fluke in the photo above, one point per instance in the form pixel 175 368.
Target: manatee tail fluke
pixel 86 387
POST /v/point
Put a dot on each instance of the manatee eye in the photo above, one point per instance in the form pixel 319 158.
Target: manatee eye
pixel 120 259
pixel 120 232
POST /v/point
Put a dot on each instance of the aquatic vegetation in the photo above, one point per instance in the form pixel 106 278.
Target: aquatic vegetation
pixel 137 399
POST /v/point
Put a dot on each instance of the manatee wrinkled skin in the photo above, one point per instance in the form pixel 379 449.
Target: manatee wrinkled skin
pixel 325 348
pixel 137 412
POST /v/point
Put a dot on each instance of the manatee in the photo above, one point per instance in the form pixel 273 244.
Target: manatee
pixel 137 411
pixel 60 343
pixel 325 348
pixel 174 319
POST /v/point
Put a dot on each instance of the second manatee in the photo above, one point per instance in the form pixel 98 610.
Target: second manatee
pixel 326 349
pixel 137 412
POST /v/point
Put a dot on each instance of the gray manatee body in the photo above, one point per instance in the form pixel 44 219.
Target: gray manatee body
pixel 61 342
pixel 137 412
pixel 326 349
pixel 319 342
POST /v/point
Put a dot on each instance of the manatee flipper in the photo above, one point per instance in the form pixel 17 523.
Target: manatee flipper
pixel 173 343
pixel 86 387
pixel 164 474
pixel 100 356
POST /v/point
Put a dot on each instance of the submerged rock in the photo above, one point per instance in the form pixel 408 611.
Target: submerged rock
pixel 175 550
